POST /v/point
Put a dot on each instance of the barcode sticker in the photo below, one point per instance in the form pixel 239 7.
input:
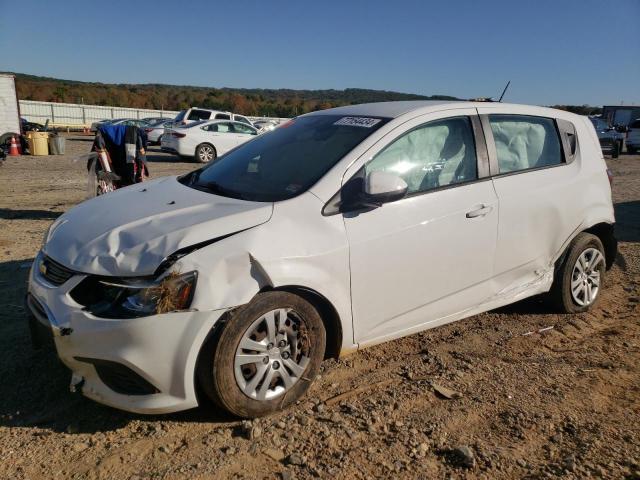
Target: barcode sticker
pixel 357 122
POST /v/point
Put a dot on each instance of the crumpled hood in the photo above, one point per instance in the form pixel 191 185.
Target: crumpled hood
pixel 130 231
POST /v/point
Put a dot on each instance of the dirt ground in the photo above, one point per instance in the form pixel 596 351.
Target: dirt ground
pixel 564 402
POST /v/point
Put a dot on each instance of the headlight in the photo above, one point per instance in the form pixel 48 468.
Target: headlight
pixel 135 297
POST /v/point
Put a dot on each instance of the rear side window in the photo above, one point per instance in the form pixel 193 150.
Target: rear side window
pixel 525 142
pixel 434 155
pixel 223 116
pixel 199 115
pixel 222 127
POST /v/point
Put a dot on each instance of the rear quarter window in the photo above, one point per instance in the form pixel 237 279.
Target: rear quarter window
pixel 199 115
pixel 525 142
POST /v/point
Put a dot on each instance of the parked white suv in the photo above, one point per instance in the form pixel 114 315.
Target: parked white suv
pixel 341 229
pixel 192 114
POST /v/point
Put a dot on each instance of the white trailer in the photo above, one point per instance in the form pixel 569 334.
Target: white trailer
pixel 9 110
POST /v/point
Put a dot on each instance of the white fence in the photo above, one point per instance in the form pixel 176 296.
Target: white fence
pixel 78 115
pixel 73 114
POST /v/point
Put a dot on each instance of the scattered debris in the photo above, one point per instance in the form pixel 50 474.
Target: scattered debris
pixel 541 330
pixel 464 456
pixel 445 392
pixel 275 454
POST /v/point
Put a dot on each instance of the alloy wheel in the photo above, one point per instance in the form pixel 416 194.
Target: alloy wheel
pixel 586 277
pixel 206 153
pixel 272 355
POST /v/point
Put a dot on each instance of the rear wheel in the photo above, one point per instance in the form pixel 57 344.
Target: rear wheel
pixel 265 357
pixel 205 153
pixel 580 278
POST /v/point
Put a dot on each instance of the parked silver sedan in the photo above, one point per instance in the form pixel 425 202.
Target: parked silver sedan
pixel 155 130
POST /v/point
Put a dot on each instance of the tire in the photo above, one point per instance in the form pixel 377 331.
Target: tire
pixel 242 391
pixel 584 248
pixel 631 150
pixel 615 153
pixel 205 153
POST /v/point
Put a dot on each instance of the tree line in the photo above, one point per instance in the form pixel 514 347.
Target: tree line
pixel 256 102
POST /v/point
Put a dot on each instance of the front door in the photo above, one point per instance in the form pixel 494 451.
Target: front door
pixel 429 256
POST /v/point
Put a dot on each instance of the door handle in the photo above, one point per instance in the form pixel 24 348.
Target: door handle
pixel 480 211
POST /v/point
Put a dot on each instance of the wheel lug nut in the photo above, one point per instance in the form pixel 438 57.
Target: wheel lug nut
pixel 276 365
pixel 285 355
pixel 282 343
pixel 270 346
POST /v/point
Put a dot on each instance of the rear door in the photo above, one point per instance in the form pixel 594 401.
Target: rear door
pixel 429 256
pixel 539 189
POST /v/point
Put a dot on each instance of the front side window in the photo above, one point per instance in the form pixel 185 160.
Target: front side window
pixel 524 142
pixel 285 162
pixel 242 128
pixel 434 155
pixel 239 118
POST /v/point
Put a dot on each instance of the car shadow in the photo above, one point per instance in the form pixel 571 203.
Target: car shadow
pixel 35 384
pixel 627 221
pixel 10 214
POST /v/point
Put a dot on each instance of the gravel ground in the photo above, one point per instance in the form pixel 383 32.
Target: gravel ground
pixel 473 399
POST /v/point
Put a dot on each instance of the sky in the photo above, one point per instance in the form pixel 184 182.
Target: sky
pixel 553 51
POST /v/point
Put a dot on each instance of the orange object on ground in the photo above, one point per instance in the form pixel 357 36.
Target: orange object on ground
pixel 14 150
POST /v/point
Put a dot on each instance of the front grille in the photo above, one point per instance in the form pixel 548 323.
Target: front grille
pixel 53 272
pixel 120 378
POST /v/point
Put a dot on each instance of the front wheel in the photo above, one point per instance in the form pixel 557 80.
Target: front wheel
pixel 265 357
pixel 580 278
pixel 205 153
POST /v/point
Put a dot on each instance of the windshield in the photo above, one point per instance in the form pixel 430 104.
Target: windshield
pixel 180 116
pixel 599 124
pixel 285 162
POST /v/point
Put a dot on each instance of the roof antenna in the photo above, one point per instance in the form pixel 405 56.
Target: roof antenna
pixel 505 90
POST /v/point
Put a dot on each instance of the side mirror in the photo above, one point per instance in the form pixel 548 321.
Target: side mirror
pixel 369 192
pixel 384 187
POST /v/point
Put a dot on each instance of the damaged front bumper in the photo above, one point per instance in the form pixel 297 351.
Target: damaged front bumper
pixel 142 365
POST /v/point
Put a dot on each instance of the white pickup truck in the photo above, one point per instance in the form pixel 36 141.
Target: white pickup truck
pixel 9 113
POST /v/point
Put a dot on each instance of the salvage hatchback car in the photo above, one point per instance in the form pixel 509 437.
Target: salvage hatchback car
pixel 339 230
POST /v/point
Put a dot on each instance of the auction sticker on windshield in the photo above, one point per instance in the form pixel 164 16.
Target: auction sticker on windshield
pixel 357 122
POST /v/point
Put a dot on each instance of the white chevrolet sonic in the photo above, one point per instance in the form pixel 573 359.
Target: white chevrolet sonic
pixel 341 229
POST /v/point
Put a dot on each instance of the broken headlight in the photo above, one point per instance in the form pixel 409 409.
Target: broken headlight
pixel 135 297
